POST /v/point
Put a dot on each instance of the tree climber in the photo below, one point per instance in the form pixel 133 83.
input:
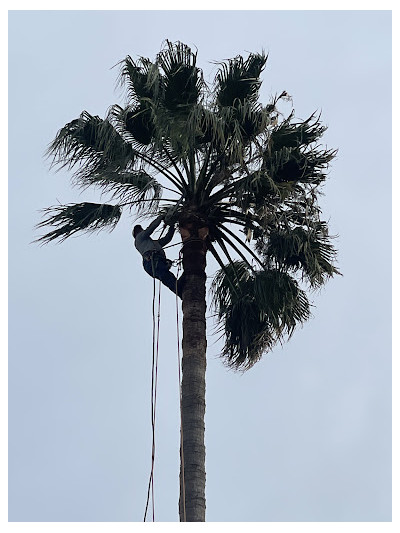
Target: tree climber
pixel 155 261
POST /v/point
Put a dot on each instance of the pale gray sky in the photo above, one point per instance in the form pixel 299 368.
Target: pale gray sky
pixel 303 436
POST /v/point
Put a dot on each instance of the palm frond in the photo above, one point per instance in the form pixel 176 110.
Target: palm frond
pixel 294 134
pixel 139 124
pixel 182 80
pixel 91 143
pixel 85 216
pixel 217 257
pixel 142 79
pixel 208 127
pixel 131 186
pixel 254 191
pixel 238 80
pixel 264 308
pixel 253 120
pixel 296 165
pixel 134 123
pixel 306 250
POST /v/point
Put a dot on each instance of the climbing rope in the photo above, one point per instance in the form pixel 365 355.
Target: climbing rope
pixel 154 376
pixel 170 245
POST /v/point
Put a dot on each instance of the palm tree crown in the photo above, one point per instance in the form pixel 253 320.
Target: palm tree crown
pixel 241 170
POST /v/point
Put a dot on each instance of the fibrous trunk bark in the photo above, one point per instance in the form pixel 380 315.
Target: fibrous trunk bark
pixel 192 503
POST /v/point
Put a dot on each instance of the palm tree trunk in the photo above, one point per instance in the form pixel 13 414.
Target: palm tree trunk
pixel 192 507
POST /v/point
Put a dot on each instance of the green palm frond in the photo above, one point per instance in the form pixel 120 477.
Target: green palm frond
pixel 254 191
pixel 142 79
pixel 264 308
pixel 306 250
pixel 238 80
pixel 238 127
pixel 86 216
pixel 228 285
pixel 297 165
pixel 134 124
pixel 208 126
pixel 139 123
pixel 136 186
pixel 182 80
pixel 294 134
pixel 253 120
pixel 91 143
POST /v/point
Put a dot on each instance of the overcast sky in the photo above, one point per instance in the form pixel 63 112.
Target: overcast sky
pixel 305 435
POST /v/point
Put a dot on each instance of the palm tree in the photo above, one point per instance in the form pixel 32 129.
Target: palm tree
pixel 244 183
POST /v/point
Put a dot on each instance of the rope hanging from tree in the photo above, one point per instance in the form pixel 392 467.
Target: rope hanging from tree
pixel 154 378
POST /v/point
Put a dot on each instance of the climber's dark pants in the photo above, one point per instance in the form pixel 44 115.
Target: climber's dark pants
pixel 157 267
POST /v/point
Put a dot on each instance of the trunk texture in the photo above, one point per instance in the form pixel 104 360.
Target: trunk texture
pixel 192 503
